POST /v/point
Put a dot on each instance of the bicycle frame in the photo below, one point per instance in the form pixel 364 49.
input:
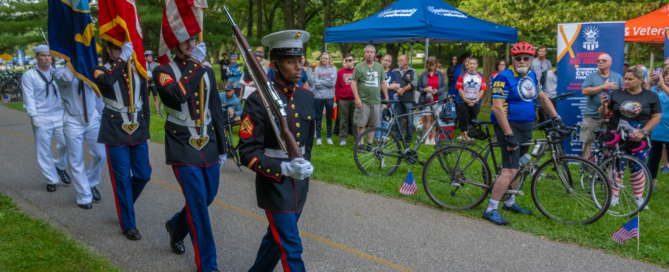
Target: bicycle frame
pixel 397 119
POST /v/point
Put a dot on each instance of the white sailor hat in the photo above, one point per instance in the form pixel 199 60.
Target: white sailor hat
pixel 287 42
pixel 41 49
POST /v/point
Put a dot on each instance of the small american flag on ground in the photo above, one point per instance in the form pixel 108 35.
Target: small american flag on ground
pixel 409 185
pixel 627 231
pixel 6 99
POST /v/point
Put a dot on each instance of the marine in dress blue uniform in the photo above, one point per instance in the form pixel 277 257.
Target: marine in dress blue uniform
pixel 194 149
pixel 124 132
pixel 278 191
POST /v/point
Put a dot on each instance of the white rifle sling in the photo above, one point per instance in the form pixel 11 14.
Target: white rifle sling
pixel 117 104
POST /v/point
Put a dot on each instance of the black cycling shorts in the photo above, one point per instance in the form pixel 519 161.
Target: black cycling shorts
pixel 153 90
pixel 523 133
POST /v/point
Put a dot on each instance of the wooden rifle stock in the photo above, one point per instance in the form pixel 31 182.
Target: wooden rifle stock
pixel 273 104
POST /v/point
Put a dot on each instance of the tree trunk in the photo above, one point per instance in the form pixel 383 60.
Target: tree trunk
pixel 326 22
pixel 259 19
pixel 393 51
pixel 301 14
pixel 269 16
pixel 288 14
pixel 489 61
pixel 345 48
pixel 249 22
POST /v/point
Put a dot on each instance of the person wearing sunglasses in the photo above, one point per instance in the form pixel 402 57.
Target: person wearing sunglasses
pixel 604 82
pixel 514 91
pixel 345 99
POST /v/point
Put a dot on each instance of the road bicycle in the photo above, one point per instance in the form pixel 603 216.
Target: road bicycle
pixel 11 85
pixel 378 151
pixel 615 159
pixel 458 177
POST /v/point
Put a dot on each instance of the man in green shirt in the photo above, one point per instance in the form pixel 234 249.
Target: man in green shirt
pixel 368 82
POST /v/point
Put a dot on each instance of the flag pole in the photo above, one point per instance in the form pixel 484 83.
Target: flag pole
pixel 131 95
pixel 200 38
pixel 638 236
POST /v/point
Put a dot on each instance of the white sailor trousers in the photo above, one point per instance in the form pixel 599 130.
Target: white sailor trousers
pixel 76 132
pixel 49 127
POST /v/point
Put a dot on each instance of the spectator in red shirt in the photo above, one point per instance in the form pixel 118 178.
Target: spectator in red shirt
pixel 345 98
pixel 432 87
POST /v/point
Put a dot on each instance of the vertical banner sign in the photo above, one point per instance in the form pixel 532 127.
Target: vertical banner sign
pixel 666 42
pixel 579 46
pixel 20 58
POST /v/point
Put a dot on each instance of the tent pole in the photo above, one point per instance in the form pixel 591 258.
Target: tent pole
pixel 326 47
pixel 507 54
pixel 652 65
pixel 427 47
pixel 411 57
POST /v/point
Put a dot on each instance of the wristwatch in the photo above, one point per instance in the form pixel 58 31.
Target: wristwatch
pixel 644 131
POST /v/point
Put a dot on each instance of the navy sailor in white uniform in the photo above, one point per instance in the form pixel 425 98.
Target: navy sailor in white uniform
pixel 43 104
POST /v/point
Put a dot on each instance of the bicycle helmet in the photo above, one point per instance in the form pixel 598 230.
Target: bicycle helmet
pixel 148 53
pixel 522 48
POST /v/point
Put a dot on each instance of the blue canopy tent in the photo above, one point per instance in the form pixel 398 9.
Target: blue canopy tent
pixel 418 21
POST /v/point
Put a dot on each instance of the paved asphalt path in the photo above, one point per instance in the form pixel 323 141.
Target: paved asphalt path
pixel 342 229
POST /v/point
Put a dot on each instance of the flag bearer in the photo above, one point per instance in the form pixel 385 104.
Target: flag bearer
pixel 281 185
pixel 194 146
pixel 45 108
pixel 124 130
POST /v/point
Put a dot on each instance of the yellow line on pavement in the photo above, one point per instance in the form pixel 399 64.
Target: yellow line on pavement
pixel 309 235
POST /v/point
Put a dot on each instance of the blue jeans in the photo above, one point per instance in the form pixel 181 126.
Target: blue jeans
pixel 384 125
pixel 318 105
pixel 404 108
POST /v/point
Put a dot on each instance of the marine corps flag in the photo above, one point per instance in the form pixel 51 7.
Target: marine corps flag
pixel 119 23
pixel 71 37
pixel 181 20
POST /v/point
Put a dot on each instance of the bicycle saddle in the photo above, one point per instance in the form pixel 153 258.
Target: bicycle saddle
pixel 389 101
pixel 599 131
pixel 481 122
pixel 227 105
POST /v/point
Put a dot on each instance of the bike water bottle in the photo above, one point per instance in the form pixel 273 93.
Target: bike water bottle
pixel 524 159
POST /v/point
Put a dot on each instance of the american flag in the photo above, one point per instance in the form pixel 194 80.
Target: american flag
pixel 627 231
pixel 181 20
pixel 409 185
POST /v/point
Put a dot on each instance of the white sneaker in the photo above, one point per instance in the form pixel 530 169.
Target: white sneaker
pixel 319 142
pixel 614 201
pixel 639 202
pixel 460 137
pixel 329 141
pixel 342 143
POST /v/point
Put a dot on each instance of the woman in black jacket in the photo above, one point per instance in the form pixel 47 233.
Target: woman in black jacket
pixel 432 87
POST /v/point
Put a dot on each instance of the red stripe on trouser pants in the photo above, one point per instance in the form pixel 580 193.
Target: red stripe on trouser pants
pixel 275 233
pixel 190 222
pixel 113 180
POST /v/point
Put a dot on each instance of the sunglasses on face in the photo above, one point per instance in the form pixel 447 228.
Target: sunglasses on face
pixel 348 60
pixel 601 61
pixel 518 59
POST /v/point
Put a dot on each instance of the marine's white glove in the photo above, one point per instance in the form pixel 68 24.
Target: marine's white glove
pixel 222 159
pixel 126 51
pixel 297 168
pixel 199 52
pixel 34 122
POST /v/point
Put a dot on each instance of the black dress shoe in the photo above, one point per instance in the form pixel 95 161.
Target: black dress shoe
pixel 86 206
pixel 177 246
pixel 51 187
pixel 132 234
pixel 96 194
pixel 64 177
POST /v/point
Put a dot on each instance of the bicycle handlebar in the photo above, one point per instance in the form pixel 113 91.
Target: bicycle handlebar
pixel 622 133
pixel 616 138
pixel 431 103
pixel 565 95
pixel 643 145
pixel 565 133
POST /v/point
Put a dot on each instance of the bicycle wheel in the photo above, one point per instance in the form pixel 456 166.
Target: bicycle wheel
pixel 377 156
pixel 457 178
pixel 619 170
pixel 557 199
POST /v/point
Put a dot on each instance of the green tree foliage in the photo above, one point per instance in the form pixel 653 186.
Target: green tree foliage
pixel 21 21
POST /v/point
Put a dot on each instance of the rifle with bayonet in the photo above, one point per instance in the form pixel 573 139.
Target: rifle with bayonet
pixel 273 104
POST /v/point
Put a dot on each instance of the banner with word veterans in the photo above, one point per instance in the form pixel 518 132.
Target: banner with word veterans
pixel 579 46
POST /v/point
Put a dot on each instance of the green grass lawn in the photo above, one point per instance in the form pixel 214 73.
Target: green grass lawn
pixel 28 244
pixel 335 164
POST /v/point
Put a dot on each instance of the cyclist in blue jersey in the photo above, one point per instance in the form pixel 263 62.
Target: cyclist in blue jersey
pixel 514 91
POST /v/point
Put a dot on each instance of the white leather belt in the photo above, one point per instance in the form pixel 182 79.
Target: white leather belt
pixel 188 122
pixel 278 153
pixel 118 107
